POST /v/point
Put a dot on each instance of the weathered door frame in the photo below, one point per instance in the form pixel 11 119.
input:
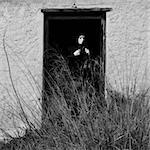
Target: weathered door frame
pixel 75 13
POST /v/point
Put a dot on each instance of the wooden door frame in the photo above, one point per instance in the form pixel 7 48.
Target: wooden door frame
pixel 75 13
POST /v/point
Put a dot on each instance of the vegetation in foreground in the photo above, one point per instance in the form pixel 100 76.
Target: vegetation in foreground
pixel 77 116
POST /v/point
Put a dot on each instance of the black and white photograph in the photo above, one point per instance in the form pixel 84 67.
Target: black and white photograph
pixel 74 75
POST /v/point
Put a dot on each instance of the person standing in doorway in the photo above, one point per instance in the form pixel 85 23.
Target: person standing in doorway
pixel 81 56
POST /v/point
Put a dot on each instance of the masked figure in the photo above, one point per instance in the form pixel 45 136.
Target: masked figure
pixel 80 57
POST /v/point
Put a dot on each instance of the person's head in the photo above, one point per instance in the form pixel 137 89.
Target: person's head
pixel 81 39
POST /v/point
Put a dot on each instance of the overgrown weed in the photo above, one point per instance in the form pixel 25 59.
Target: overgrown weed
pixel 77 116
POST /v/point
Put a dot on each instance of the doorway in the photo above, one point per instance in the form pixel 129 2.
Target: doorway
pixel 61 29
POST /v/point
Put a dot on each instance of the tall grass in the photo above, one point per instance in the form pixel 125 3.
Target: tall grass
pixel 77 116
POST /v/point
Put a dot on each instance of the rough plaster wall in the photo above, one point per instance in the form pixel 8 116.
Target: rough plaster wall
pixel 20 29
pixel 127 47
pixel 127 43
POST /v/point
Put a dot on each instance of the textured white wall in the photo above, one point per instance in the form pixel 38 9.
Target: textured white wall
pixel 127 43
pixel 127 47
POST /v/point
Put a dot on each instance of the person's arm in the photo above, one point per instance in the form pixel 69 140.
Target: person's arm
pixel 87 51
pixel 77 52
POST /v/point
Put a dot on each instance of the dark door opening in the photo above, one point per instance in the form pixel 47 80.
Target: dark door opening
pixel 63 35
pixel 61 29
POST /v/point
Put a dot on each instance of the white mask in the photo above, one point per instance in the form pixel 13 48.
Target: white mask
pixel 81 39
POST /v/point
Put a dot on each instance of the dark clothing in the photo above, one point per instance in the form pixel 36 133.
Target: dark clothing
pixel 82 57
pixel 77 63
